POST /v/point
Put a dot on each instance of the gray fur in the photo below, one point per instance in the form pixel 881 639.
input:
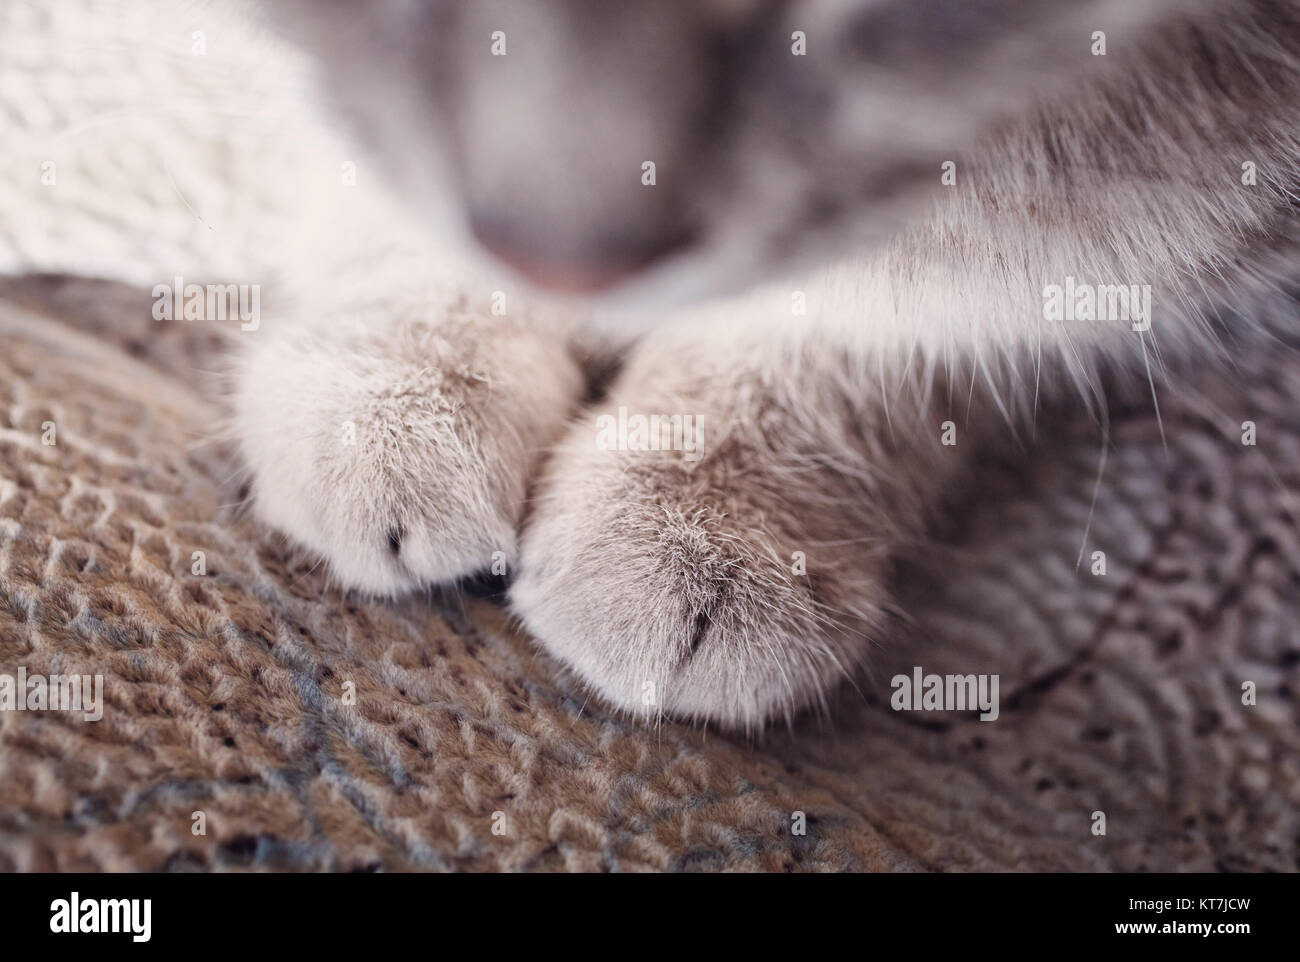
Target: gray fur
pixel 646 574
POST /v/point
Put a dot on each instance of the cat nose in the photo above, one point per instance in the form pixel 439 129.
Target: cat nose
pixel 597 266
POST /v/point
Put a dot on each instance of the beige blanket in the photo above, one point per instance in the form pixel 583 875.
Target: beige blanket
pixel 229 738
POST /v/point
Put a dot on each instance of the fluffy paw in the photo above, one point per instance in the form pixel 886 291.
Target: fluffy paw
pixel 401 453
pixel 736 586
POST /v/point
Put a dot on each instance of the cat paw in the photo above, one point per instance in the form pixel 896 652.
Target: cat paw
pixel 737 579
pixel 401 453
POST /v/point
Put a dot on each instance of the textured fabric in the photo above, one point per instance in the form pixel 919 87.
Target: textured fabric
pixel 1121 693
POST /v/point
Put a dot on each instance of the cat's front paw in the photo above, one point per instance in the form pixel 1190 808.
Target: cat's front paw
pixel 736 576
pixel 400 453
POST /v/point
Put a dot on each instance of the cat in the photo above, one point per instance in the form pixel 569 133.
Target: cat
pixel 829 246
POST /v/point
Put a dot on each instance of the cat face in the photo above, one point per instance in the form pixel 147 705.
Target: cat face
pixel 672 149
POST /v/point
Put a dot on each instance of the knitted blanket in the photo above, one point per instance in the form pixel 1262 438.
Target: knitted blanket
pixel 255 717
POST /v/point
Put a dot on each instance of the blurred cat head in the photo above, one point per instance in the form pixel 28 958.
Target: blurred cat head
pixel 672 149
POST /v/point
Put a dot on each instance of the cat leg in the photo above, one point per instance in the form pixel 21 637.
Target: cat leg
pixel 737 572
pixel 395 436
